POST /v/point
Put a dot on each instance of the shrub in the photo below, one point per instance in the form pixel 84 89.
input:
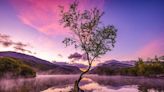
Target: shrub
pixel 10 67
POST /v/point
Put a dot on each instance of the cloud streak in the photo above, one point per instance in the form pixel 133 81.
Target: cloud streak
pixel 153 48
pixel 5 40
pixel 44 16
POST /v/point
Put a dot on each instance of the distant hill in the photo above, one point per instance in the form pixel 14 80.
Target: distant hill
pixel 72 64
pixel 80 65
pixel 130 62
pixel 111 65
pixel 161 58
pixel 39 65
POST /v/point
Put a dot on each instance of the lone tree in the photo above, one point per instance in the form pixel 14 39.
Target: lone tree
pixel 89 34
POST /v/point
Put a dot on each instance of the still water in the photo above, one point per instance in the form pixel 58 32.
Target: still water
pixel 90 83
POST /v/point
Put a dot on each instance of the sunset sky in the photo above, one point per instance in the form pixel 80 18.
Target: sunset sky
pixel 35 23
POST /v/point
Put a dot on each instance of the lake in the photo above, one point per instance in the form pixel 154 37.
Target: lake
pixel 90 83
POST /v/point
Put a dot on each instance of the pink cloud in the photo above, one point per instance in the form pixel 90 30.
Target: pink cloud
pixel 43 15
pixel 153 48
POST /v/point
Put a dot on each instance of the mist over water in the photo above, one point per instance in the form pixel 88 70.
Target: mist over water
pixel 41 82
pixel 90 83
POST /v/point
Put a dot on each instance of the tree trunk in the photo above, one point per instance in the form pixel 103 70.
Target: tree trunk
pixel 76 85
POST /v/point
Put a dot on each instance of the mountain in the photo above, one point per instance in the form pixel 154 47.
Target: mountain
pixel 80 65
pixel 60 63
pixel 131 62
pixel 39 65
pixel 71 64
pixel 30 60
pixel 161 58
pixel 111 65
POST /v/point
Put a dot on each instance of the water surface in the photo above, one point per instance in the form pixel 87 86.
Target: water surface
pixel 90 83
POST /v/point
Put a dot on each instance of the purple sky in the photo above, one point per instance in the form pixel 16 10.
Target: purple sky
pixel 140 25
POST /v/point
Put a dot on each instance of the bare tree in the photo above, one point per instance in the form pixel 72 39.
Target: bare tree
pixel 89 34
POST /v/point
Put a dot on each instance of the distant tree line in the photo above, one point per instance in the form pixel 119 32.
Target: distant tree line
pixel 13 68
pixel 150 68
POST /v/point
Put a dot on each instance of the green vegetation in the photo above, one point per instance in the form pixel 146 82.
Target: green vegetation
pixel 150 68
pixel 10 67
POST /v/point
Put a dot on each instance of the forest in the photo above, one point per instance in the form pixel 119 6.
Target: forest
pixel 149 68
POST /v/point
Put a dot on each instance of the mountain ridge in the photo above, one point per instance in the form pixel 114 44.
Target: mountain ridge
pixel 41 65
